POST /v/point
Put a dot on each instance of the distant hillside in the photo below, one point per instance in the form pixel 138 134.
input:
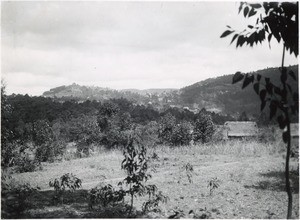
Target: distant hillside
pixel 220 95
pixel 82 93
pixel 215 94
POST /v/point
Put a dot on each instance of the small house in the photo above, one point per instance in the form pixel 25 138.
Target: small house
pixel 240 129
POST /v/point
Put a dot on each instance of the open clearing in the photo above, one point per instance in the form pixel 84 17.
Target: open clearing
pixel 252 182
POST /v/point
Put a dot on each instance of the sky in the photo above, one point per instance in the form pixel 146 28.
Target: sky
pixel 122 45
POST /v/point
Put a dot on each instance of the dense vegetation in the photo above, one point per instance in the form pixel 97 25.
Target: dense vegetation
pixel 41 127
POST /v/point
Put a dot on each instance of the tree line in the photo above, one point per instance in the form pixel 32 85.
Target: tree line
pixel 45 125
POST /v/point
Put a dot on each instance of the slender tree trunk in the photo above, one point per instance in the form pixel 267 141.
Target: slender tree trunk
pixel 287 171
pixel 131 205
pixel 288 152
pixel 131 199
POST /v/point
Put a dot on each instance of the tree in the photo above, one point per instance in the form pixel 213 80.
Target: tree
pixel 6 133
pixel 279 20
pixel 182 133
pixel 166 125
pixel 203 128
pixel 114 125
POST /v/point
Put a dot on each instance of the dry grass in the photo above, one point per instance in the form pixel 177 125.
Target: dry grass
pixel 232 147
pixel 92 170
pixel 252 184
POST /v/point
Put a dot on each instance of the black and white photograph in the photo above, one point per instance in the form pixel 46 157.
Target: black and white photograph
pixel 149 109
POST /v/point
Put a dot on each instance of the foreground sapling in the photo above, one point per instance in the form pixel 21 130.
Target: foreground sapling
pixel 67 180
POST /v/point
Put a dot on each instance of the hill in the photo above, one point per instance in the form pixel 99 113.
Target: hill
pixel 82 93
pixel 221 95
pixel 214 94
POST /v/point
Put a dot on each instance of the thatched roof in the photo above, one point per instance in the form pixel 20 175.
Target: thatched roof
pixel 241 128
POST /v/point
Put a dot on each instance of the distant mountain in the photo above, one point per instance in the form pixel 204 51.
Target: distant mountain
pixel 220 95
pixel 214 94
pixel 82 93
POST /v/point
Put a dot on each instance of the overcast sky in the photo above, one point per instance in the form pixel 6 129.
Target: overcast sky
pixel 123 44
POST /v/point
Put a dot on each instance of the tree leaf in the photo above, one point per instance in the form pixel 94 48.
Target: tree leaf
pixel 273 109
pixel 256 88
pixel 234 37
pixel 281 121
pixel 262 94
pixel 226 33
pixel 252 12
pixel 248 79
pixel 238 76
pixel 241 6
pixel 266 28
pixel 255 5
pixel 269 88
pixel 269 37
pixel 258 77
pixel 246 10
pixel 292 74
pixel 285 136
pixel 240 41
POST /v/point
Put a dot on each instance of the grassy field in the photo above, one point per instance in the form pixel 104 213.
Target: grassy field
pixel 251 178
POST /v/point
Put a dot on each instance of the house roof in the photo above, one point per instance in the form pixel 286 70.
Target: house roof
pixel 241 128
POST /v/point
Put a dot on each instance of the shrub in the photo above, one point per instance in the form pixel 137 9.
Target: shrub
pixel 106 195
pixel 9 153
pixel 67 180
pixel 189 170
pixel 166 125
pixel 149 132
pixel 213 184
pixel 152 204
pixel 182 134
pixel 203 128
pixel 14 196
pixel 25 164
pixel 135 164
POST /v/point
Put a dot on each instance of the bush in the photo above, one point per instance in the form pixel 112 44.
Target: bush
pixel 106 195
pixel 166 125
pixel 25 164
pixel 203 128
pixel 182 134
pixel 8 154
pixel 149 132
pixel 67 180
pixel 14 196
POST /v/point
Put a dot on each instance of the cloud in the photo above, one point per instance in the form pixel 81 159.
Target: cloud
pixel 122 44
